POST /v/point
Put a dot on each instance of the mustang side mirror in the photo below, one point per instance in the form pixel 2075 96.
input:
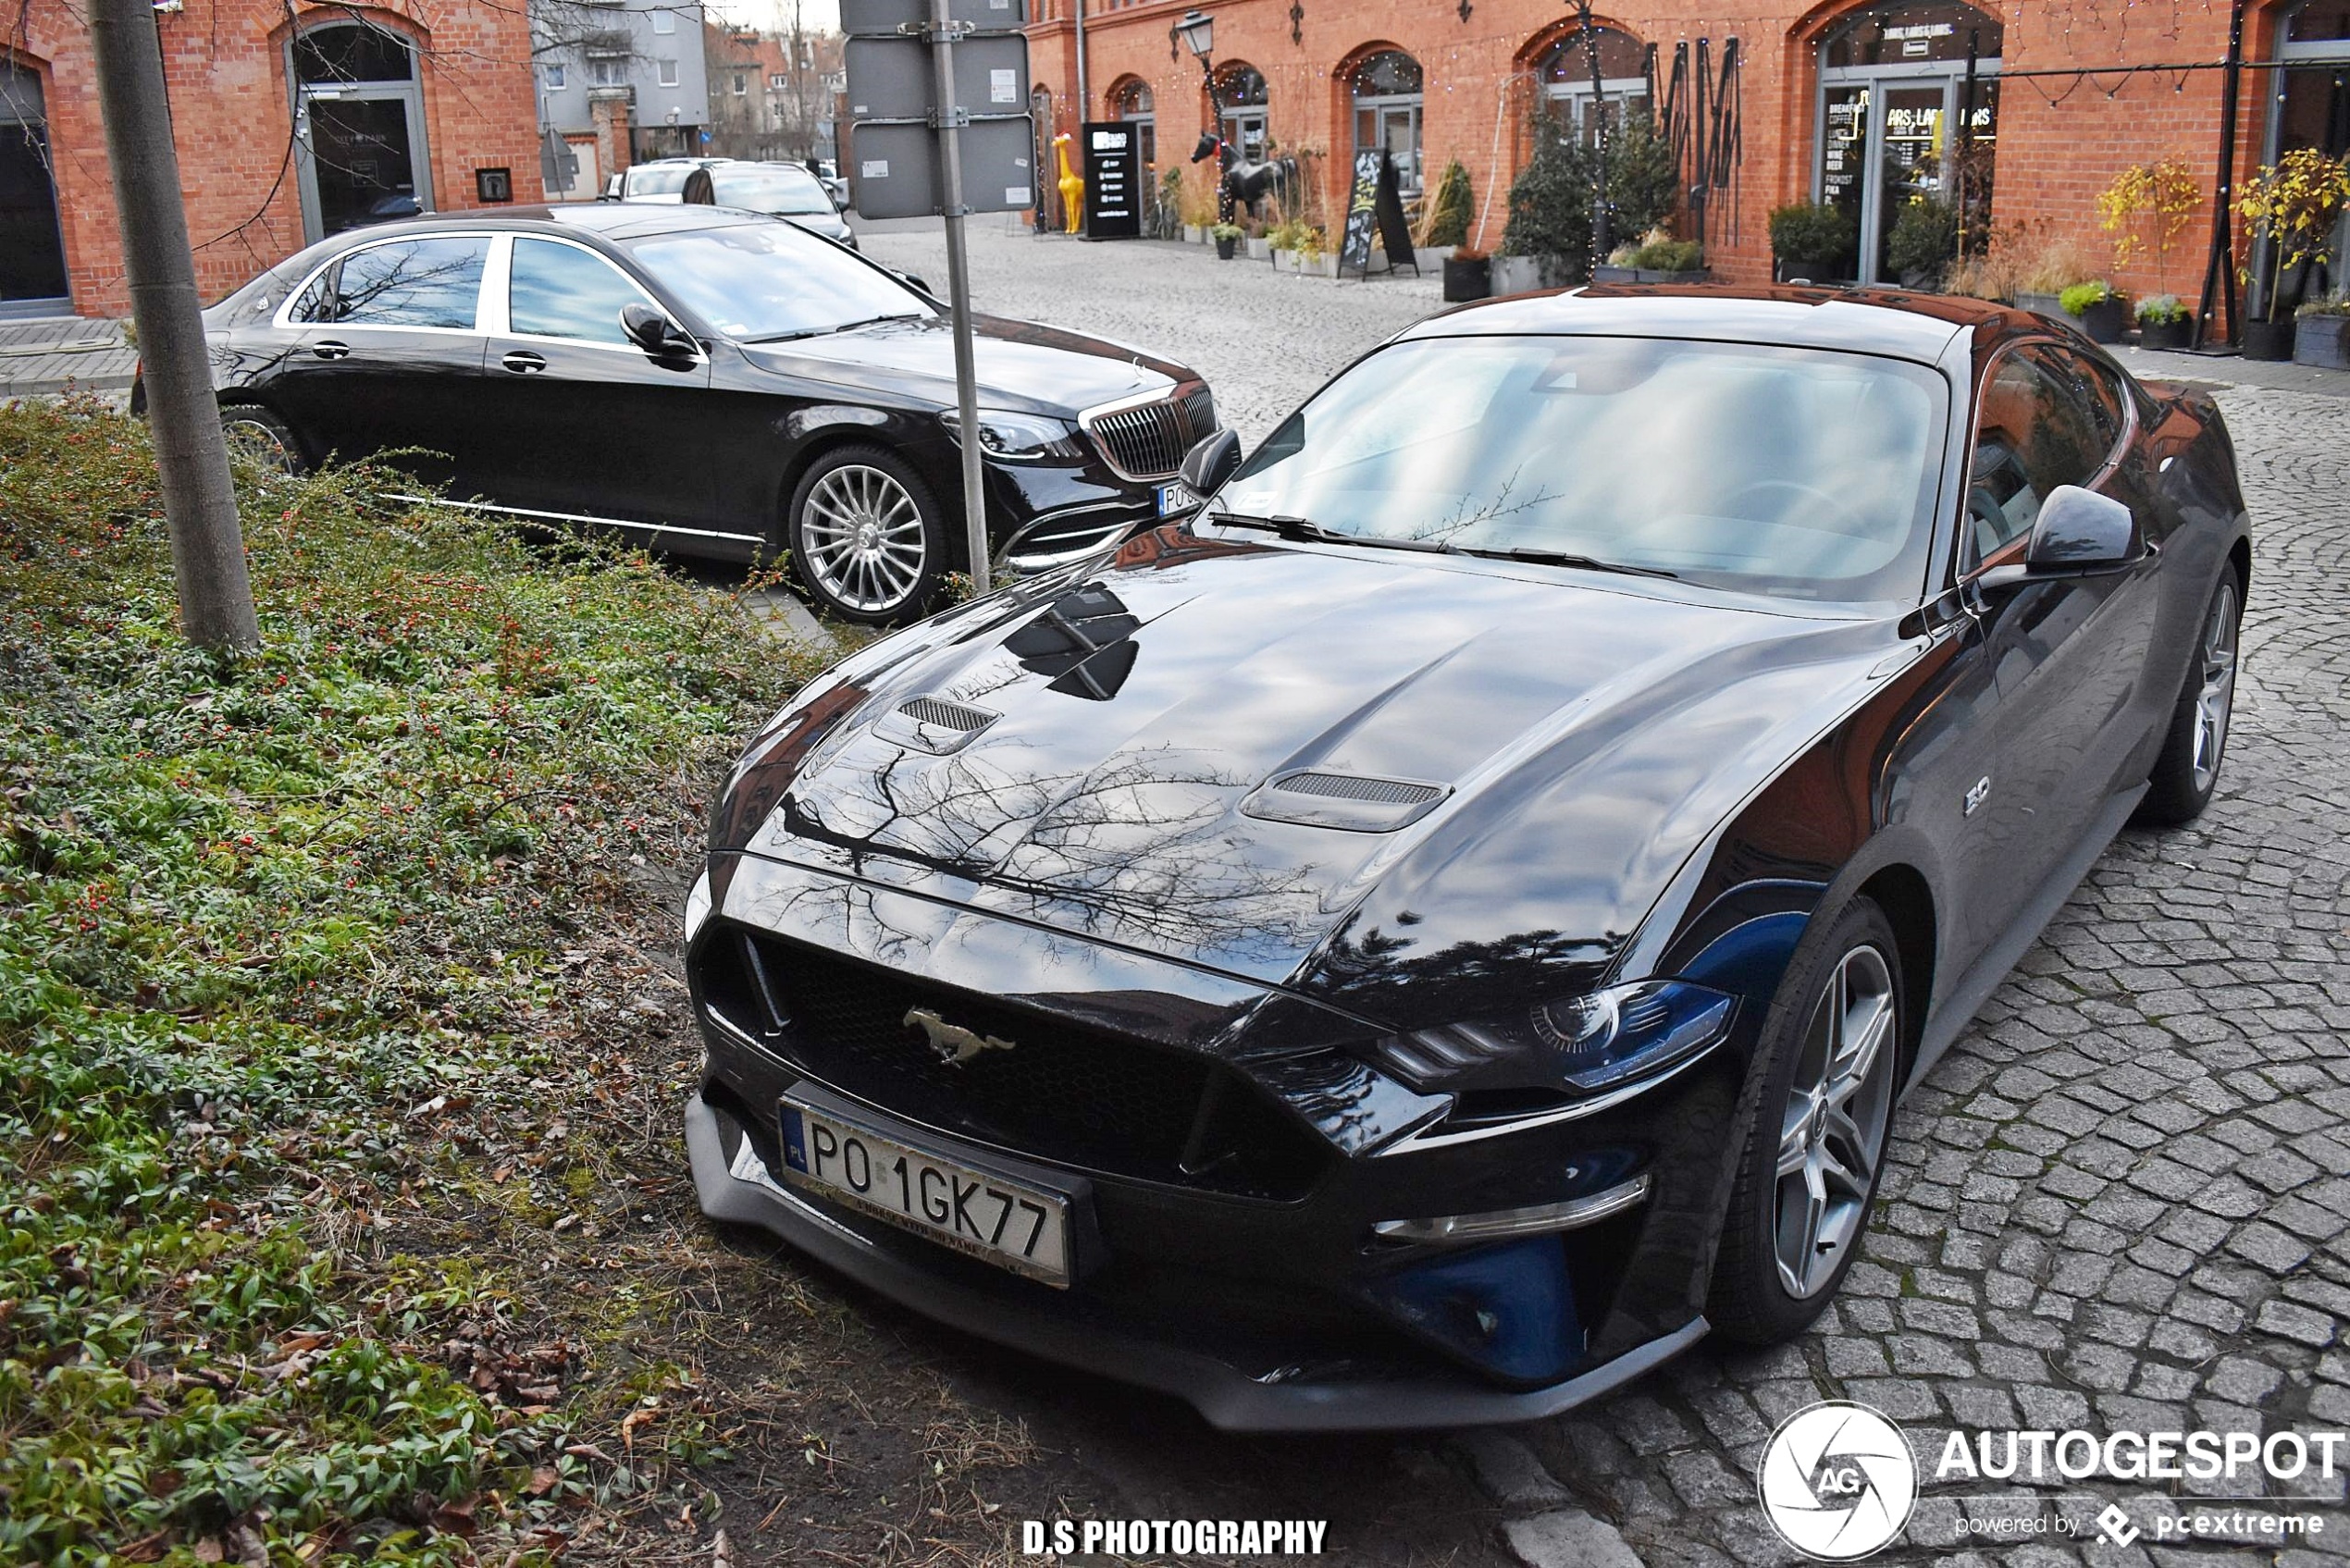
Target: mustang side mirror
pixel 2077 532
pixel 652 331
pixel 1211 463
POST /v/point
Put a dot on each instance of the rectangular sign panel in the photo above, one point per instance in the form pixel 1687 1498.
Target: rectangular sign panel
pixel 894 170
pixel 888 16
pixel 1113 180
pixel 894 78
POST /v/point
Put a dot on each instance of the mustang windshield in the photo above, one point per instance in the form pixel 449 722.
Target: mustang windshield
pixel 753 280
pixel 1797 473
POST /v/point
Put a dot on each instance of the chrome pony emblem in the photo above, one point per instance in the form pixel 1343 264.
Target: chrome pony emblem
pixel 954 1044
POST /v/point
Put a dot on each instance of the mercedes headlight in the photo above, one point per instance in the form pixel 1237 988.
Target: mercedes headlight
pixel 1019 437
pixel 1580 1044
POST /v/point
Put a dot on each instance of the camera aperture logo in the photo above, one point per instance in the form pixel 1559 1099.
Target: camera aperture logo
pixel 1838 1481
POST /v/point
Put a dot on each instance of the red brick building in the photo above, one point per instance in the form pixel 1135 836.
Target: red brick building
pixel 295 120
pixel 1858 102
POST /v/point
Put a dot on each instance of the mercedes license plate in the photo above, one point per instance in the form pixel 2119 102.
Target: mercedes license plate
pixel 980 1214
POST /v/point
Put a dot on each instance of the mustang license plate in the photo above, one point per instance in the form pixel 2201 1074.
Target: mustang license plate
pixel 980 1214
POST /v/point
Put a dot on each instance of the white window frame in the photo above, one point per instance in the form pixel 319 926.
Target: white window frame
pixel 557 77
pixel 497 305
pixel 665 72
pixel 664 21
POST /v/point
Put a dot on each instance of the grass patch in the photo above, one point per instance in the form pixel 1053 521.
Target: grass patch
pixel 291 955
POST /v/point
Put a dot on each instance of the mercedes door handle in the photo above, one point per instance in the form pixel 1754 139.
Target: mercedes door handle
pixel 521 362
pixel 331 348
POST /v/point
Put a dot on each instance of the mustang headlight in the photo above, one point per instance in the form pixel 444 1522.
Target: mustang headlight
pixel 1576 1043
pixel 1019 437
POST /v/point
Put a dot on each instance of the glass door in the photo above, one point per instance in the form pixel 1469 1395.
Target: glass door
pixel 1885 144
pixel 1844 158
pixel 1910 146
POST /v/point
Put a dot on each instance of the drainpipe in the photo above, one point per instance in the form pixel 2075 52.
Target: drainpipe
pixel 1084 100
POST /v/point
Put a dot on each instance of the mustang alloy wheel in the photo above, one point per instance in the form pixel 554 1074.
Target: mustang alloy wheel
pixel 864 537
pixel 1825 1074
pixel 1832 1123
pixel 2186 773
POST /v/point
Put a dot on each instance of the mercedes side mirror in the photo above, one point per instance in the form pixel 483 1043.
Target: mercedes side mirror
pixel 654 332
pixel 914 280
pixel 1211 463
pixel 2077 532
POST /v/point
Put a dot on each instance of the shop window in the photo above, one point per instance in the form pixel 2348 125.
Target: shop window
pixel 1387 111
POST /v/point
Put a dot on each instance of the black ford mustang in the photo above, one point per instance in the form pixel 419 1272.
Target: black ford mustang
pixel 1433 935
pixel 708 380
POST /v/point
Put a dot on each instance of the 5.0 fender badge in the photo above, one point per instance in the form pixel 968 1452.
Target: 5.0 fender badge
pixel 954 1044
pixel 1978 794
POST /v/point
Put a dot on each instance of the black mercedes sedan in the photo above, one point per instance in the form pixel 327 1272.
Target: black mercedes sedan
pixel 1449 926
pixel 705 381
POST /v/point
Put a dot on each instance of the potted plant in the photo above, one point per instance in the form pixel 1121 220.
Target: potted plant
pixel 1228 240
pixel 2294 202
pixel 1449 211
pixel 2150 201
pixel 1314 253
pixel 1468 274
pixel 2322 334
pixel 1924 244
pixel 2163 322
pixel 1812 240
pixel 2046 270
pixel 1549 214
pixel 2097 307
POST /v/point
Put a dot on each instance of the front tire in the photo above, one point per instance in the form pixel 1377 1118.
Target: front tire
pixel 1829 1069
pixel 259 436
pixel 2186 774
pixel 865 537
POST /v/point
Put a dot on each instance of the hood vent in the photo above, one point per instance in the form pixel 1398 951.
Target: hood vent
pixel 934 724
pixel 1350 801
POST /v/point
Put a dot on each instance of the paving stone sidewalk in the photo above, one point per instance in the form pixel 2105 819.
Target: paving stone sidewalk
pixel 52 354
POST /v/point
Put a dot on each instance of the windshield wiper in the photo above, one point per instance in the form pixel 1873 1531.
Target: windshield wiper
pixel 841 327
pixel 1306 528
pixel 1539 557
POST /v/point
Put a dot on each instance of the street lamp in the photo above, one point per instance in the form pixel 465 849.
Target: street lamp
pixel 1197 30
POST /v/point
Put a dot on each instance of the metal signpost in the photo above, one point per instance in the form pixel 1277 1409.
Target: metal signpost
pixel 939 125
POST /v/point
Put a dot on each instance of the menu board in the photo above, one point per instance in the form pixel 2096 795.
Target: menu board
pixel 1375 205
pixel 1113 181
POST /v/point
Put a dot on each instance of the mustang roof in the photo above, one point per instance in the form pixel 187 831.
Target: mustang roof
pixel 1883 321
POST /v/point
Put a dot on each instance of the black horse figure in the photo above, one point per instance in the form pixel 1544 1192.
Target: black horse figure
pixel 1245 184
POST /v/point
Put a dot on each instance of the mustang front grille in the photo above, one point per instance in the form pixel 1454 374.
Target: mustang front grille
pixel 1148 440
pixel 1024 1081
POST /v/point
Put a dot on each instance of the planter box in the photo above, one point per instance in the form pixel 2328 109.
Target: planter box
pixel 1470 279
pixel 2105 321
pixel 2322 341
pixel 1284 261
pixel 1193 233
pixel 1226 249
pixel 2164 336
pixel 2268 339
pixel 2049 305
pixel 1607 274
pixel 1515 275
pixel 1806 269
pixel 1260 249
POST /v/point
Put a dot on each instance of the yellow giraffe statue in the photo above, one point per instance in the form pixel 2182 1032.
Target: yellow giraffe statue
pixel 1072 188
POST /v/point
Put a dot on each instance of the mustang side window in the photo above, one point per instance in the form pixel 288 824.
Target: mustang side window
pixel 2033 433
pixel 411 283
pixel 562 292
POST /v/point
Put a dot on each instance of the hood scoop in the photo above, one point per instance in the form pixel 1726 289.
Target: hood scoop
pixel 934 724
pixel 1348 801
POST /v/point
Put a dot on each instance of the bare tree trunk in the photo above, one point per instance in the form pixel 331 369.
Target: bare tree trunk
pixel 191 453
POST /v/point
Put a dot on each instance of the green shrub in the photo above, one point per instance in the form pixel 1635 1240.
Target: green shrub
pixel 1643 182
pixel 2162 308
pixel 1670 256
pixel 2077 299
pixel 1551 201
pixel 251 917
pixel 1811 232
pixel 1924 241
pixel 1450 208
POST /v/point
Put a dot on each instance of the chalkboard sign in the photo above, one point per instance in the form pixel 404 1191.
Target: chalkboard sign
pixel 1375 205
pixel 1113 181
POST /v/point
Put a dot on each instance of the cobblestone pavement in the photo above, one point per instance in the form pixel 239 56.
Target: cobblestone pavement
pixel 2121 1201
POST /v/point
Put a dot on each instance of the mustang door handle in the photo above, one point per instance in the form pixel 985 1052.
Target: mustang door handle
pixel 521 362
pixel 331 350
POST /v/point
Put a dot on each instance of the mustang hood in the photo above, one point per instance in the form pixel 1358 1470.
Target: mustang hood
pixel 1021 365
pixel 1092 752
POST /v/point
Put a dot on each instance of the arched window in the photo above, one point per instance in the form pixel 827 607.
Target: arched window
pixel 32 256
pixel 1131 101
pixel 1909 111
pixel 1240 88
pixel 1387 111
pixel 1564 71
pixel 359 127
